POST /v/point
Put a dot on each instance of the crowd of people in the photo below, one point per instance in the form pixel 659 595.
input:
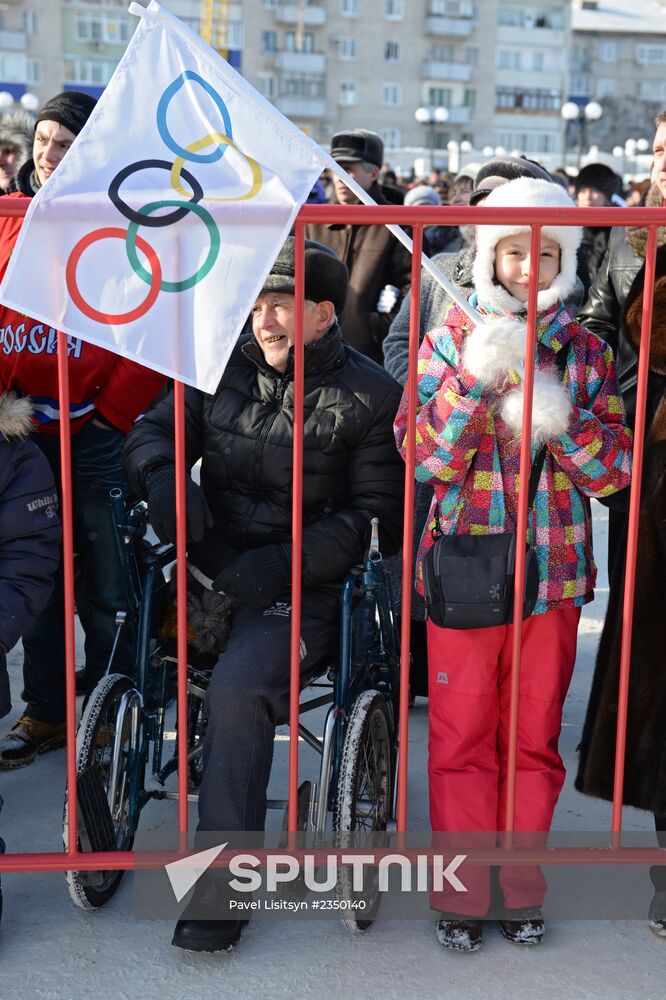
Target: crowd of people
pixel 470 410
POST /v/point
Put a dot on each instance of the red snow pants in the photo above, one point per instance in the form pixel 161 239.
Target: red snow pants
pixel 469 692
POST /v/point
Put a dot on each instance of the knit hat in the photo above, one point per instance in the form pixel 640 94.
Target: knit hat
pixel 326 276
pixel 501 169
pixel 358 146
pixel 525 192
pixel 601 178
pixel 72 109
pixel 422 194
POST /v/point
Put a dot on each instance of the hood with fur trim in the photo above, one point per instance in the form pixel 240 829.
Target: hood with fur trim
pixel 525 192
pixel 15 416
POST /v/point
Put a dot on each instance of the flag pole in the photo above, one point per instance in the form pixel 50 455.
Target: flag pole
pixel 406 241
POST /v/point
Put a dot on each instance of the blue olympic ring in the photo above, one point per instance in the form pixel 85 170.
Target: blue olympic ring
pixel 167 139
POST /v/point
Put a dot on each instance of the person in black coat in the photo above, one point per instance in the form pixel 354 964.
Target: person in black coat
pixel 29 534
pixel 239 522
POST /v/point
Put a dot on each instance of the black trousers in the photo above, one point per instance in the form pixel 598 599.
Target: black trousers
pixel 248 696
pixel 658 872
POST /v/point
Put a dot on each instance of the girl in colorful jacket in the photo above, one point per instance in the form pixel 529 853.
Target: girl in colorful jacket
pixel 469 418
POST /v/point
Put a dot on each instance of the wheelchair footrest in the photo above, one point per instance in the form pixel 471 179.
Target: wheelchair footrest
pixel 95 820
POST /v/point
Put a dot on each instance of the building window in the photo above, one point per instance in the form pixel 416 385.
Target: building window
pixel 303 85
pixel 533 99
pixel 392 52
pixel 469 99
pixel 106 29
pixel 348 49
pixel 34 71
pixel 268 85
pixel 391 137
pixel 606 86
pixel 268 41
pixel 471 56
pixel 348 93
pixel 30 23
pixel 391 95
pixel 236 35
pixel 394 10
pixel 442 53
pixel 537 61
pixel 349 8
pixel 439 97
pixel 652 90
pixel 290 41
pixel 652 55
pixel 581 84
pixel 608 51
pixel 508 59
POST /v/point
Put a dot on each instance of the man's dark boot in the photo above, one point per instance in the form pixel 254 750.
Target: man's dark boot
pixel 201 926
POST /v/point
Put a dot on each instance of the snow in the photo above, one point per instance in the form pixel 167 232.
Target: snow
pixel 50 950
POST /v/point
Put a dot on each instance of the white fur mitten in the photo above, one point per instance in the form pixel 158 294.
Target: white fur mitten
pixel 494 348
pixel 551 408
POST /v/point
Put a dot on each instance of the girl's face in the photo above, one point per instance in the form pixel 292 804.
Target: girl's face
pixel 513 264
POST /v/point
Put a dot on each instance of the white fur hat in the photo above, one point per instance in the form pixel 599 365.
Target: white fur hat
pixel 525 192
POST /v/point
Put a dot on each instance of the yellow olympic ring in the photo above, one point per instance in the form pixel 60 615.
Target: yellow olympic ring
pixel 208 140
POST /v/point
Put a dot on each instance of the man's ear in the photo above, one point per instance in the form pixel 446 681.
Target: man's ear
pixel 325 313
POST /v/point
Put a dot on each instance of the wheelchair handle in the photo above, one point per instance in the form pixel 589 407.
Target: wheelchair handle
pixel 373 551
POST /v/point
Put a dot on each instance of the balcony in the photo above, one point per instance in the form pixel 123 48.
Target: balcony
pixel 458 26
pixel 459 115
pixel 292 13
pixel 532 37
pixel 301 107
pixel 447 71
pixel 301 62
pixel 12 41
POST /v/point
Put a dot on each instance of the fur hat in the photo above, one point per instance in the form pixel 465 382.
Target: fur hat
pixel 358 146
pixel 601 178
pixel 501 169
pixel 326 276
pixel 524 193
pixel 72 109
pixel 422 194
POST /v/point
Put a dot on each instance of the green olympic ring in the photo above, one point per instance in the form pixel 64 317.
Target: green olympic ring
pixel 213 232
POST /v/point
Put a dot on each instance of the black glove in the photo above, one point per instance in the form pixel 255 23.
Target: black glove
pixel 255 578
pixel 161 485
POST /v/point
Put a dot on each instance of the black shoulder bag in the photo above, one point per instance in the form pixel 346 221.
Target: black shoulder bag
pixel 469 578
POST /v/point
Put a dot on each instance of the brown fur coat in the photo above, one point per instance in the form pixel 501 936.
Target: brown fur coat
pixel 645 768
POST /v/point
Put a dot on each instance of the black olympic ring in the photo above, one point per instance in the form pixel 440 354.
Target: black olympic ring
pixel 153 220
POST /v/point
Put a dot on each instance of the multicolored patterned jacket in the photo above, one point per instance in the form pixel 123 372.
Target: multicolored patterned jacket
pixel 472 458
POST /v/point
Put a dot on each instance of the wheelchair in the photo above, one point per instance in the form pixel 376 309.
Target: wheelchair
pixel 121 763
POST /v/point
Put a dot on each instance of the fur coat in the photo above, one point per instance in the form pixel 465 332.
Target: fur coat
pixel 645 767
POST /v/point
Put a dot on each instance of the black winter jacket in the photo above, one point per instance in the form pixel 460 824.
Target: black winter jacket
pixel 602 312
pixel 243 434
pixel 29 530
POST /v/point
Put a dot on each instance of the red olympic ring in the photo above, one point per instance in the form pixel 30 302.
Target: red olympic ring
pixel 73 288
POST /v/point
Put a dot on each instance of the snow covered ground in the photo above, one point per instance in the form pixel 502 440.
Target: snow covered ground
pixel 50 950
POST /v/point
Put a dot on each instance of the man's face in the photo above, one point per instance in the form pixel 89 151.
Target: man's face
pixel 513 265
pixel 52 140
pixel 364 176
pixel 273 325
pixel 659 165
pixel 589 197
pixel 8 165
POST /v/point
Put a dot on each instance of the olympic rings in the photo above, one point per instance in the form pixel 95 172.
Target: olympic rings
pixel 177 169
pixel 174 286
pixel 168 140
pixel 108 318
pixel 158 220
pixel 143 217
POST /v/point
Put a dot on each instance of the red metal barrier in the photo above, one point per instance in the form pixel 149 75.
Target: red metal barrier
pixel 417 218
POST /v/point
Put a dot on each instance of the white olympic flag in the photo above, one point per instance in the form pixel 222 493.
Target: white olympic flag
pixel 156 232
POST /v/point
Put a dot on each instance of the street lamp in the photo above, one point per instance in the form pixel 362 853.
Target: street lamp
pixel 572 112
pixel 431 117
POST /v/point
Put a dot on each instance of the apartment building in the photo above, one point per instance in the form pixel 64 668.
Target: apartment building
pixel 500 69
pixel 618 58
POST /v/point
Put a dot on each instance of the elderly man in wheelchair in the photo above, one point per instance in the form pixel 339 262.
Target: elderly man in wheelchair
pixel 239 523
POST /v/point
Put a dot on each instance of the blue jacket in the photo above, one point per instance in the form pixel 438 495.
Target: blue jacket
pixel 29 530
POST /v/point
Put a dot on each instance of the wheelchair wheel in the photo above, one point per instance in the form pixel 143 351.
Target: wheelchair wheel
pixel 363 801
pixel 105 791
